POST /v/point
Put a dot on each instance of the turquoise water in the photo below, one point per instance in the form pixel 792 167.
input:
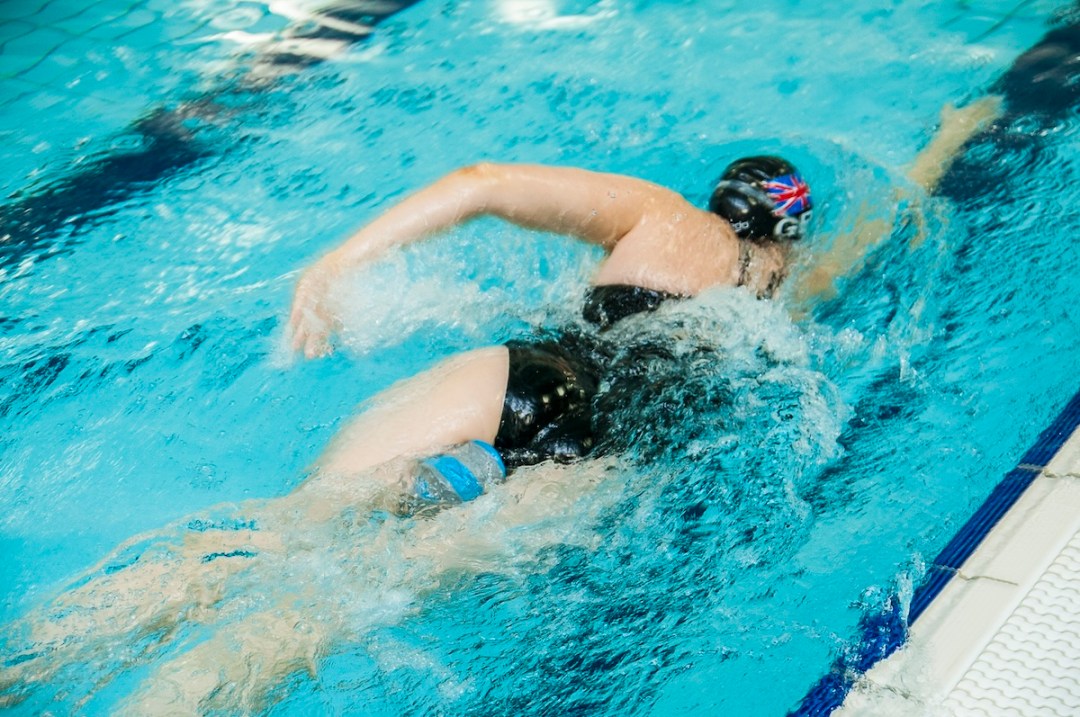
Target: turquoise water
pixel 809 467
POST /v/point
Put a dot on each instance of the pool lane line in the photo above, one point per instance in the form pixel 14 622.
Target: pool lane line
pixel 168 140
pixel 883 633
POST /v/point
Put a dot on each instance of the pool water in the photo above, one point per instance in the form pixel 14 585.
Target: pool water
pixel 793 478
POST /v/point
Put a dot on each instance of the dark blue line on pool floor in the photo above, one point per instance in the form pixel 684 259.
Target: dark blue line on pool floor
pixel 45 220
pixel 880 635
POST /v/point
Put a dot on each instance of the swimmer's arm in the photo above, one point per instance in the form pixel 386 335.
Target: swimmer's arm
pixel 595 207
pixel 958 125
pixel 818 282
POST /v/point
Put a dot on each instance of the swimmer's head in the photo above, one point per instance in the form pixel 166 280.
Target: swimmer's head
pixel 763 198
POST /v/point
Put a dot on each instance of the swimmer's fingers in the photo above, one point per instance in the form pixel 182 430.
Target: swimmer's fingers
pixel 14 683
pixel 311 333
pixel 305 296
pixel 310 320
pixel 317 346
pixel 235 670
pixel 317 327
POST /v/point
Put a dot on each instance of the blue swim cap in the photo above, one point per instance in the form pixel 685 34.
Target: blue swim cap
pixel 763 198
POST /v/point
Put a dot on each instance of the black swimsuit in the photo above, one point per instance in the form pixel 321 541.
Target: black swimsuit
pixel 548 413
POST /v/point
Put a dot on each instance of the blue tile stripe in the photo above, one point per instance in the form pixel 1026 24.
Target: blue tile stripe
pixel 935 580
pixel 993 509
pixel 882 634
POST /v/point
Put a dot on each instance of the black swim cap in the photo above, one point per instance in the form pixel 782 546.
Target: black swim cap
pixel 763 198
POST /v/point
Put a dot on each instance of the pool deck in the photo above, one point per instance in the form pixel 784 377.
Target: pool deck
pixel 1002 637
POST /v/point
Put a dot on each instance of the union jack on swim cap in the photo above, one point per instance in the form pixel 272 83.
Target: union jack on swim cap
pixel 763 198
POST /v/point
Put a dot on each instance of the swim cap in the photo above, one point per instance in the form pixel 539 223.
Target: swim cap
pixel 763 198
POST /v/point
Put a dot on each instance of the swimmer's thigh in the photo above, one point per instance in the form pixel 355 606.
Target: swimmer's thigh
pixel 459 400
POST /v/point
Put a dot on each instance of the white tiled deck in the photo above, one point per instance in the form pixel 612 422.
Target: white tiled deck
pixel 1003 637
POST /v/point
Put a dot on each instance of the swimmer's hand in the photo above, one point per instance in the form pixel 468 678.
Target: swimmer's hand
pixel 312 320
pixel 958 125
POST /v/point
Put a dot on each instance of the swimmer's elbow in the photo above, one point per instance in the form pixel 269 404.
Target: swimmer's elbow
pixel 479 176
pixel 478 171
pixel 474 185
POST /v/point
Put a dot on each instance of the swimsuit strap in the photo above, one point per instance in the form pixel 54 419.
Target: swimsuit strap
pixel 744 263
pixel 745 256
pixel 773 285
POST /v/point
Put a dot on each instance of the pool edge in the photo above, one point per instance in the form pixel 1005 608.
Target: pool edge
pixel 883 634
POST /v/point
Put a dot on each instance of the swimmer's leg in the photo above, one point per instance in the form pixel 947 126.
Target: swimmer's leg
pixel 130 603
pixel 153 583
pixel 459 400
pixel 240 667
pixel 235 670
